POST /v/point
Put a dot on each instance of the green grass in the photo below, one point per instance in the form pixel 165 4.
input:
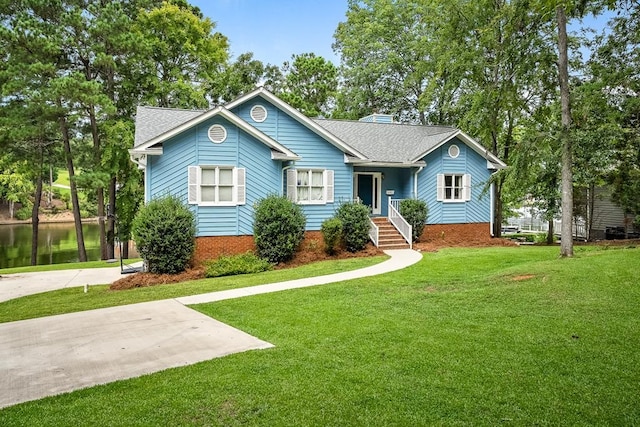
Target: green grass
pixel 453 340
pixel 65 266
pixel 63 177
pixel 70 300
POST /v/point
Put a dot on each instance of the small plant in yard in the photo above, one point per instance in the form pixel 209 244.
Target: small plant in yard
pixel 278 228
pixel 415 212
pixel 231 265
pixel 331 233
pixel 164 232
pixel 355 225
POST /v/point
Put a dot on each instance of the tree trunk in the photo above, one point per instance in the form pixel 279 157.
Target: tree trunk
pixel 35 219
pixel 50 195
pixel 497 208
pixel 99 190
pixel 566 245
pixel 590 210
pixel 111 219
pixel 550 233
pixel 82 252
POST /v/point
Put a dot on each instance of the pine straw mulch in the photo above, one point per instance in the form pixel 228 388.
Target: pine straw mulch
pixel 311 251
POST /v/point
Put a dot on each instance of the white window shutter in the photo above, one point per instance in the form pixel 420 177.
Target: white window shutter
pixel 292 180
pixel 193 184
pixel 466 187
pixel 241 187
pixel 328 182
pixel 440 187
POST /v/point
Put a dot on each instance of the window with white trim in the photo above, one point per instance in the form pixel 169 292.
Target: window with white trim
pixel 212 185
pixel 310 186
pixel 454 187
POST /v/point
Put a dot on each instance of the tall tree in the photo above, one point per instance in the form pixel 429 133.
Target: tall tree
pixel 179 56
pixel 309 84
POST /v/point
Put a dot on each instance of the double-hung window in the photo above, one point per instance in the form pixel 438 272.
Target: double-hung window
pixel 216 185
pixel 310 186
pixel 454 187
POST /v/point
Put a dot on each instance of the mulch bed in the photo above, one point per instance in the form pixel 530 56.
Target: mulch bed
pixel 309 252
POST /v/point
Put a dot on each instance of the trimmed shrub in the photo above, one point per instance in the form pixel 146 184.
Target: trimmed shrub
pixel 25 211
pixel 278 228
pixel 246 263
pixel 415 212
pixel 331 233
pixel 355 225
pixel 164 231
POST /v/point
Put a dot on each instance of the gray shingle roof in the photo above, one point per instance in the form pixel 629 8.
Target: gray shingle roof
pixel 388 142
pixel 380 142
pixel 154 121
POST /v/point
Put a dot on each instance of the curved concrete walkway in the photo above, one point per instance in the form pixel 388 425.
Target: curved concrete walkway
pixel 52 355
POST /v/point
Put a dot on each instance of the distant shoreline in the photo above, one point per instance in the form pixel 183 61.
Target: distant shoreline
pixel 46 221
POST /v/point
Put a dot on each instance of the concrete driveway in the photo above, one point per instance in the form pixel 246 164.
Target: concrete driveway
pixel 51 355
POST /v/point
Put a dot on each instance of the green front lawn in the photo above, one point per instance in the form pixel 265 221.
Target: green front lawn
pixel 70 300
pixel 495 336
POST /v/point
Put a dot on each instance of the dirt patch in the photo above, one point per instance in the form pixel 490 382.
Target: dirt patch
pixel 522 277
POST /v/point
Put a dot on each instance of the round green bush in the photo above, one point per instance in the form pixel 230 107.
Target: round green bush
pixel 25 211
pixel 278 228
pixel 164 231
pixel 415 212
pixel 355 225
pixel 331 233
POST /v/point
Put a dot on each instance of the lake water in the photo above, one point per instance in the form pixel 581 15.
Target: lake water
pixel 56 244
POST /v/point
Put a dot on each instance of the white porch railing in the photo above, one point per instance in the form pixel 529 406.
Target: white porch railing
pixel 399 222
pixel 374 232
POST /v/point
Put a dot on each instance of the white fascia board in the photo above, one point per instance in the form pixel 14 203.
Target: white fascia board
pixel 301 118
pixel 259 135
pixel 473 144
pixel 405 165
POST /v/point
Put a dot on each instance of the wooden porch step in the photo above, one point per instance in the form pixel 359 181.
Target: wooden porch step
pixel 388 236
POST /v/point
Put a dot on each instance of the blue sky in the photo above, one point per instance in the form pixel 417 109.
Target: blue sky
pixel 276 29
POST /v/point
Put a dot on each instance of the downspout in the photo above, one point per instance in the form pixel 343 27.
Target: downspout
pixel 415 182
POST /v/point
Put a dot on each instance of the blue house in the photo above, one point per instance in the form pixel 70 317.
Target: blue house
pixel 223 160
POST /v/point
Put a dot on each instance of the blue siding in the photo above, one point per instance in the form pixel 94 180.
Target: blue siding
pixel 314 151
pixel 168 174
pixel 478 209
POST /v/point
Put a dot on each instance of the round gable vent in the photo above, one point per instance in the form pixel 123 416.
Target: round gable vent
pixel 217 134
pixel 454 151
pixel 259 113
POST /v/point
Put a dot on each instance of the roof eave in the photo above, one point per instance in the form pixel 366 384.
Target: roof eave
pixel 275 155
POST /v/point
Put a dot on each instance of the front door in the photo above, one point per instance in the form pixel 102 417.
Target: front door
pixel 369 190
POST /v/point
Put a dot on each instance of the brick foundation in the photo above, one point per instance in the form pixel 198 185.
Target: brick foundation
pixel 477 231
pixel 212 247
